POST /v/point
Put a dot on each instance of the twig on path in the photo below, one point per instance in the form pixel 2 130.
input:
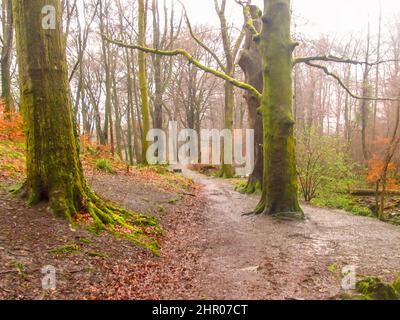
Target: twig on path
pixel 189 194
pixel 8 271
pixel 247 214
pixel 5 290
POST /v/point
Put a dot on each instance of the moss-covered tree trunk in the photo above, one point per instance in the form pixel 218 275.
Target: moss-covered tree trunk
pixel 280 189
pixel 54 169
pixel 230 52
pixel 227 169
pixel 251 63
pixel 144 92
pixel 6 54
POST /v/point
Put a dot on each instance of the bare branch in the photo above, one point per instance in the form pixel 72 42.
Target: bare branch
pixel 341 83
pixel 330 58
pixel 199 42
pixel 85 39
pixel 191 59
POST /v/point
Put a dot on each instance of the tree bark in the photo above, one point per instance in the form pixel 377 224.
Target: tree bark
pixel 54 169
pixel 366 92
pixel 378 56
pixel 251 63
pixel 6 55
pixel 158 94
pixel 280 188
pixel 117 110
pixel 143 80
pixel 230 56
pixel 108 123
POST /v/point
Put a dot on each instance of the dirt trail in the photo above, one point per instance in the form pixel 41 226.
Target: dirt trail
pixel 256 257
pixel 210 250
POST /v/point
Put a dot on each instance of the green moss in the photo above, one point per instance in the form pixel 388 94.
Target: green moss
pixel 95 254
pixel 7 150
pixel 66 249
pixel 333 268
pixel 396 286
pixel 141 240
pixel 104 165
pixel 85 240
pixel 154 247
pixel 95 228
pixel 173 200
pixel 341 201
pixel 20 268
pixel 394 220
pixel 15 188
pixel 247 187
pixel 375 289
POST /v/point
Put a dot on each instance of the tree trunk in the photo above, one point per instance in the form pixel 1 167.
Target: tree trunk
pixel 158 94
pixel 143 80
pixel 131 103
pixel 378 56
pixel 8 33
pixel 54 170
pixel 230 55
pixel 251 63
pixel 280 188
pixel 117 110
pixel 366 92
pixel 108 123
pixel 227 169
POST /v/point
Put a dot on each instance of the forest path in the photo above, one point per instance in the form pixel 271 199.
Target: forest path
pixel 257 257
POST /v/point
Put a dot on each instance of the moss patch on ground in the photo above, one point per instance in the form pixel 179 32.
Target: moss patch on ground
pixel 375 289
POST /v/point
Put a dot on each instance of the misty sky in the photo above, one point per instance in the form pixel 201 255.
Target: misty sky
pixel 335 17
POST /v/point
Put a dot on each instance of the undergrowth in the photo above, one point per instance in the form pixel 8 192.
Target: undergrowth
pixel 342 202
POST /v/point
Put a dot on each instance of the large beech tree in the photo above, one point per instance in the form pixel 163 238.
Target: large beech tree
pixel 280 188
pixel 54 169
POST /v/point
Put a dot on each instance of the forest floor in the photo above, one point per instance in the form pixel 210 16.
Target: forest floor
pixel 209 250
pixel 89 266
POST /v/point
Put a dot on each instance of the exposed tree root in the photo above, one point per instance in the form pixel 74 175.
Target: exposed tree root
pixel 105 215
pixel 263 209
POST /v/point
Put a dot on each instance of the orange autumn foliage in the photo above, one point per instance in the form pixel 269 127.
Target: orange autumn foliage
pixel 376 169
pixel 382 141
pixel 11 125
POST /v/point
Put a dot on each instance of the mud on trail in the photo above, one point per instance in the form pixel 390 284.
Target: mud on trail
pixel 257 257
